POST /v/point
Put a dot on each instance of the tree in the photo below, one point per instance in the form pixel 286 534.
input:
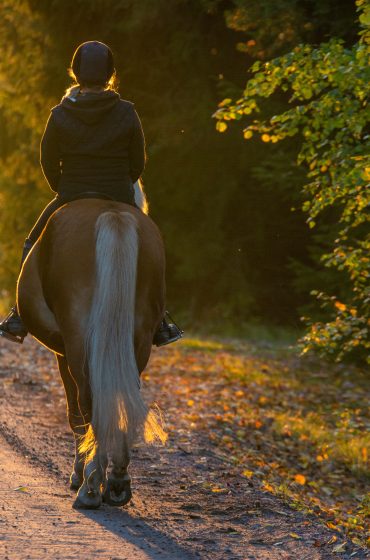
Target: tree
pixel 329 113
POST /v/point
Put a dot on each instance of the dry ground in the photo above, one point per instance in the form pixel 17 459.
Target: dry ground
pixel 191 499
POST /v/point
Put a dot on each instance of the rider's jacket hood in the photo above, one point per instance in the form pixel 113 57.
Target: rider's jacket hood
pixel 90 107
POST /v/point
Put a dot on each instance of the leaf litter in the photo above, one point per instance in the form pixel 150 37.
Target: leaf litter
pixel 298 429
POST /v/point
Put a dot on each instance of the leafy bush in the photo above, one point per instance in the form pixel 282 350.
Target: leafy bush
pixel 328 88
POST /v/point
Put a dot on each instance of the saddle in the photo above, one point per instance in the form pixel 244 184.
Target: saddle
pixel 90 194
pixel 94 194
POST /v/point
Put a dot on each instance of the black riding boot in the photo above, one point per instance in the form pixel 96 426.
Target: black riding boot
pixel 167 332
pixel 12 327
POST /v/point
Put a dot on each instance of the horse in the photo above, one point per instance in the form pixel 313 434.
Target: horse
pixel 92 290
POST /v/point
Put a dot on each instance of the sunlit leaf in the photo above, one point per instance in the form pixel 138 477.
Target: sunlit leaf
pixel 300 479
pixel 221 126
pixel 21 489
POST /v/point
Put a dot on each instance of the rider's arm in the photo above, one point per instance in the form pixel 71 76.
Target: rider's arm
pixel 50 154
pixel 136 149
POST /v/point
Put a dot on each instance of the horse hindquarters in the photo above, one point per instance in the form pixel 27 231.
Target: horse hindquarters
pixel 32 305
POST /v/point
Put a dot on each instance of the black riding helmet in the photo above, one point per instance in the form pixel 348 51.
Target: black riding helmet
pixel 92 63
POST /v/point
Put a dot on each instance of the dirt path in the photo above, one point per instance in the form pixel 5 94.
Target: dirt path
pixel 176 512
pixel 37 521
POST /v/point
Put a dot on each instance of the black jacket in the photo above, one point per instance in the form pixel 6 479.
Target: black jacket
pixel 93 142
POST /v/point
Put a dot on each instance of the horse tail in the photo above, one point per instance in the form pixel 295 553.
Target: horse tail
pixel 118 410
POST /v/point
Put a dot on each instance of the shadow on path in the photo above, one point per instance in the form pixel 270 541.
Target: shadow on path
pixel 153 542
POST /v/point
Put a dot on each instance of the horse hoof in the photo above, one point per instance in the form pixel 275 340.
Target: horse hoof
pixel 117 493
pixel 82 504
pixel 87 500
pixel 79 504
pixel 75 481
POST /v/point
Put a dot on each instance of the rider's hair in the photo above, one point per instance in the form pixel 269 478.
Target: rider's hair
pixel 112 83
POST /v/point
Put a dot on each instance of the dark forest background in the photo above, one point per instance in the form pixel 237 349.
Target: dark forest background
pixel 238 246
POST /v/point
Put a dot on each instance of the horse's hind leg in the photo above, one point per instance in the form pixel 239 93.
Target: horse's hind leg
pixel 118 489
pixel 91 470
pixel 76 420
pixel 89 495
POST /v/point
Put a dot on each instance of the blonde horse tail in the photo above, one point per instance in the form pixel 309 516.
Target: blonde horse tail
pixel 118 410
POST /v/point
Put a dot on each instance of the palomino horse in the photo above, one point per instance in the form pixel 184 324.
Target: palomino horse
pixel 92 290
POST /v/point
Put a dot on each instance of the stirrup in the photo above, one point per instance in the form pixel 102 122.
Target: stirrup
pixel 12 337
pixel 5 333
pixel 172 329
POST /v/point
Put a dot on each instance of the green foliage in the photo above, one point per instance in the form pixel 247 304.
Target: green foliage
pixel 328 88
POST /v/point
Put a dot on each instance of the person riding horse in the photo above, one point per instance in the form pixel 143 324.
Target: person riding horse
pixel 93 146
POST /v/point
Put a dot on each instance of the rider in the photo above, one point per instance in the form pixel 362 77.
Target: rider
pixel 93 141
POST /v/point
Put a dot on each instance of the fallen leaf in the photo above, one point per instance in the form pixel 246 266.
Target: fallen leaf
pixel 294 535
pixel 339 548
pixel 21 489
pixel 300 479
